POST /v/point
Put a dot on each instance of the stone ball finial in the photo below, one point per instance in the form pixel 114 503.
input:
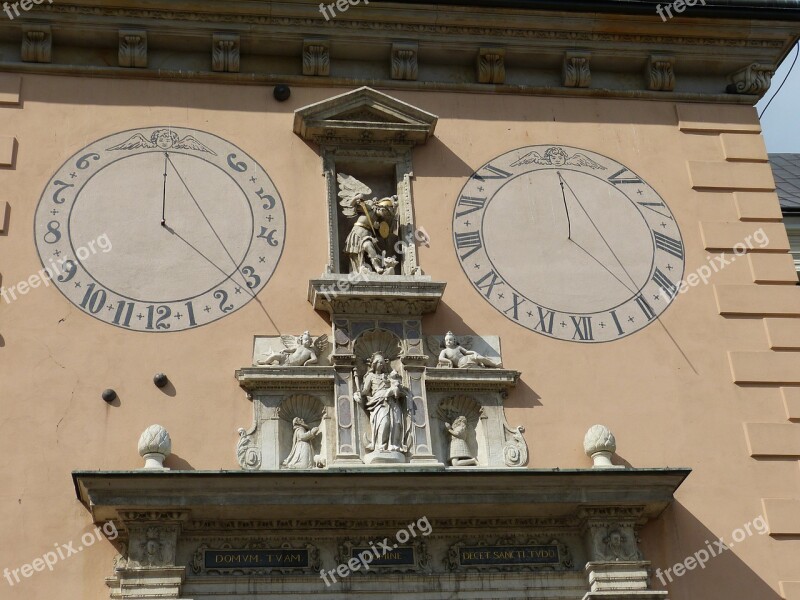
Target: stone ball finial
pixel 154 446
pixel 599 444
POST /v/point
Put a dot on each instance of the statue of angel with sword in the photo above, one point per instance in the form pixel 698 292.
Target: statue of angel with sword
pixel 366 245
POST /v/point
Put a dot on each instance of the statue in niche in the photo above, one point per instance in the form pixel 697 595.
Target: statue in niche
pixel 302 453
pixel 383 396
pixel 459 456
pixel 458 355
pixel 298 351
pixel 367 246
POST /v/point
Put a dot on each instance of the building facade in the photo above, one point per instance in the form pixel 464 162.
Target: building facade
pixel 454 300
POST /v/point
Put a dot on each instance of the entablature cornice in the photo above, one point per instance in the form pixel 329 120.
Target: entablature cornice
pixel 361 44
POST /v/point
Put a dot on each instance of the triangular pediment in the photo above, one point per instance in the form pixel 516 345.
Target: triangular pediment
pixel 364 116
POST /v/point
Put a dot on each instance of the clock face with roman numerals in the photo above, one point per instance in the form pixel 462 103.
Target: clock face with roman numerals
pixel 160 229
pixel 568 243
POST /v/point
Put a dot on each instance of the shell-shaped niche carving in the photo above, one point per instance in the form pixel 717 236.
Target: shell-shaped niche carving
pixel 459 406
pixel 308 408
pixel 381 341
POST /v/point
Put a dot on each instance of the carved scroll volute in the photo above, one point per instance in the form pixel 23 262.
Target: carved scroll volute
pixel 753 79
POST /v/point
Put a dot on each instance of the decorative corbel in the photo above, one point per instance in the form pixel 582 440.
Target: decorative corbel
pixel 404 61
pixel 133 48
pixel 491 65
pixel 225 53
pixel 660 73
pixel 753 79
pixel 37 44
pixel 316 58
pixel 575 71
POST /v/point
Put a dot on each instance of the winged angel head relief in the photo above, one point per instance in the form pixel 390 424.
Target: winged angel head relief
pixel 367 245
pixel 556 156
pixel 165 139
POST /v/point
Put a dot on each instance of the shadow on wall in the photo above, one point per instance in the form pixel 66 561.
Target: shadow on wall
pixel 677 535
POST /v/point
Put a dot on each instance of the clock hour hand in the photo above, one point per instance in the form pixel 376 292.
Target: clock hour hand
pixel 599 233
pixel 566 209
pixel 164 194
pixel 208 222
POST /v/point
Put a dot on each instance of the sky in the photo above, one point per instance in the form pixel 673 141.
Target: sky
pixel 781 122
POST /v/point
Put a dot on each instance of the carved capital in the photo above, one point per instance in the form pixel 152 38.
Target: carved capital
pixel 133 48
pixel 491 65
pixel 225 53
pixel 316 58
pixel 753 79
pixel 37 44
pixel 660 73
pixel 404 61
pixel 575 71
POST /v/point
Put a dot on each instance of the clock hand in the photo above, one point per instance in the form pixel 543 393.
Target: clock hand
pixel 164 194
pixel 658 318
pixel 602 237
pixel 599 262
pixel 566 210
pixel 214 231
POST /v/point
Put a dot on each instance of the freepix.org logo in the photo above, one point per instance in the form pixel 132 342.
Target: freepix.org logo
pixel 25 5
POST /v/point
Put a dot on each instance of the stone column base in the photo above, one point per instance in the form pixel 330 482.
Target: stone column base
pixel 629 595
pixel 147 583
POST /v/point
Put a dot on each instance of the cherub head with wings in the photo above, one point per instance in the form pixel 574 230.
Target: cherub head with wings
pixel 164 138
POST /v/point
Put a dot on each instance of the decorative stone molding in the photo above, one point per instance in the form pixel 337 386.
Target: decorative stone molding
pixel 620 580
pixel 404 61
pixel 225 53
pixel 391 295
pixel 387 122
pixel 316 58
pixel 37 43
pixel 660 73
pixel 575 71
pixel 491 65
pixel 753 79
pixel 133 48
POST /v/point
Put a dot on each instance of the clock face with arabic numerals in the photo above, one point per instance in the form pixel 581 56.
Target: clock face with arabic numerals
pixel 568 243
pixel 160 229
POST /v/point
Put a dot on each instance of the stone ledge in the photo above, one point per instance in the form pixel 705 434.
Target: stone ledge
pixel 370 295
pixel 285 378
pixel 476 380
pixel 388 492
